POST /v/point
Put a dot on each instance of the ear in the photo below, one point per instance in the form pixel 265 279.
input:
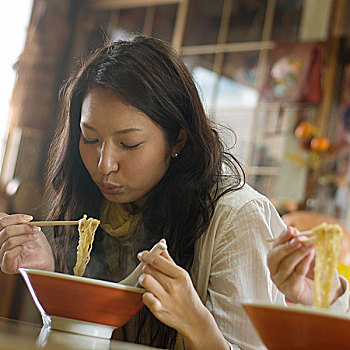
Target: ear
pixel 180 143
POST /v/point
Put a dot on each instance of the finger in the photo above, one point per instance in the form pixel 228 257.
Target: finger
pixel 14 219
pixel 276 255
pixel 166 255
pixel 337 289
pixel 167 283
pixel 161 263
pixel 14 241
pixel 17 230
pixel 289 265
pixel 152 302
pixel 8 264
pixel 305 265
pixel 152 285
pixel 292 284
pixel 3 215
pixel 285 236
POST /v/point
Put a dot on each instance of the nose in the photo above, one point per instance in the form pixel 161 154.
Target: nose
pixel 108 160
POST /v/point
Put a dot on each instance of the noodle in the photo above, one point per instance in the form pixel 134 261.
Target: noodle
pixel 86 228
pixel 327 248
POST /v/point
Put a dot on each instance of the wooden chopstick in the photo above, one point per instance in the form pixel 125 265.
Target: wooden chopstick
pixel 310 239
pixel 304 233
pixel 51 223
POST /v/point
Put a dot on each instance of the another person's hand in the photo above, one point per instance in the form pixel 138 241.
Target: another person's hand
pixel 172 298
pixel 23 245
pixel 291 262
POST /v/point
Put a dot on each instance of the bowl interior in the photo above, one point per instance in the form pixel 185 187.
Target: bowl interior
pixel 298 327
pixel 81 298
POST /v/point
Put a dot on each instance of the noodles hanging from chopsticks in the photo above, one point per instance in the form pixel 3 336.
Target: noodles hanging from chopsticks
pixel 328 240
pixel 86 229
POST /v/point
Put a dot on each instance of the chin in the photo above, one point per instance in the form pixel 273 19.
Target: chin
pixel 118 198
pixel 124 199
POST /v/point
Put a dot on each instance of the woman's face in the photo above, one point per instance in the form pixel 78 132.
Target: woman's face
pixel 124 151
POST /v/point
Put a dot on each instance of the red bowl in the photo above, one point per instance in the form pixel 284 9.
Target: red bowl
pixel 80 300
pixel 299 327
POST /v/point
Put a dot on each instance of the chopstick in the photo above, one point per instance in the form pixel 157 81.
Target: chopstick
pixel 304 233
pixel 51 223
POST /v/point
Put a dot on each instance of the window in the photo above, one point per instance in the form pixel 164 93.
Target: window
pixel 226 44
pixel 14 19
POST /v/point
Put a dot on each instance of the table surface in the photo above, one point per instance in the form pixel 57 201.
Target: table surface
pixel 29 336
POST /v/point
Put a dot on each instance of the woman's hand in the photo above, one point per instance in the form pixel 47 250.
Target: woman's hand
pixel 23 245
pixel 291 262
pixel 172 298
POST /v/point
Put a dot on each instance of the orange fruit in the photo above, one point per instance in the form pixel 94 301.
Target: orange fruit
pixel 320 144
pixel 304 130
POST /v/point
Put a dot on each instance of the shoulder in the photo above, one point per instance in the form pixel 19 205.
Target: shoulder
pixel 248 209
pixel 237 200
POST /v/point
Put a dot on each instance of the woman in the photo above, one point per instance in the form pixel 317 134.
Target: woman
pixel 135 149
pixel 291 262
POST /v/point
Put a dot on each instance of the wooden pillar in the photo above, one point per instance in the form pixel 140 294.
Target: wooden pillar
pixel 32 116
pixel 324 113
pixel 33 105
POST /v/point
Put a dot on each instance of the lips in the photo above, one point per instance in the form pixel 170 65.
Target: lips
pixel 110 189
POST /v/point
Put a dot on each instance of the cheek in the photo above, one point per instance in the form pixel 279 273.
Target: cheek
pixel 155 168
pixel 145 167
pixel 87 157
pixel 82 152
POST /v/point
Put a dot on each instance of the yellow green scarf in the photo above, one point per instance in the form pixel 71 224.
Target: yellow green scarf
pixel 118 219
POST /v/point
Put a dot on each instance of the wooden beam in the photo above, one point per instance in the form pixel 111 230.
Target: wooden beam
pixel 229 47
pixel 118 4
pixel 180 23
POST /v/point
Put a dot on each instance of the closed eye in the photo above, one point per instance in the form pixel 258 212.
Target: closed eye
pixel 89 142
pixel 130 147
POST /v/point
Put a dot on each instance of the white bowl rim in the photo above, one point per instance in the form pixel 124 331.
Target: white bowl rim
pixel 81 279
pixel 307 309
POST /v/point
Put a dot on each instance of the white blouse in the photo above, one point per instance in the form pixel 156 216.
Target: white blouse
pixel 230 263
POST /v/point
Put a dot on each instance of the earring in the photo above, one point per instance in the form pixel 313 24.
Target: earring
pixel 175 155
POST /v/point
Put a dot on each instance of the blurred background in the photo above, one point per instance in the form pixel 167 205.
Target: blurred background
pixel 276 71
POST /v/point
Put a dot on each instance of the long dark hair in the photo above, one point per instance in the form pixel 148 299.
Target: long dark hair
pixel 148 74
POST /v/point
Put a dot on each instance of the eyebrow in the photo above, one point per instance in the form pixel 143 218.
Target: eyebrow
pixel 123 131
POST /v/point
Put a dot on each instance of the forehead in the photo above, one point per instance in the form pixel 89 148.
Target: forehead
pixel 99 98
pixel 103 110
